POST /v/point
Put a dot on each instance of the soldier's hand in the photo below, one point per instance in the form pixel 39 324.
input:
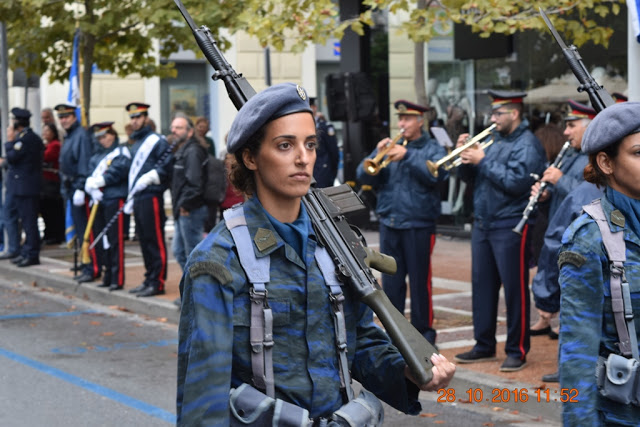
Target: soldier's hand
pixel 552 175
pixel 382 143
pixel 462 139
pixel 442 371
pixel 11 133
pixel 397 153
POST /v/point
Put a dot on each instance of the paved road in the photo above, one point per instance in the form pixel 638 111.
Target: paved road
pixel 67 362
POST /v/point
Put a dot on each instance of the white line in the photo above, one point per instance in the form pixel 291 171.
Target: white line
pixel 465 343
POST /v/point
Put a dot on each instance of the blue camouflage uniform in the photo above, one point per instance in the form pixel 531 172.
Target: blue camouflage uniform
pixel 408 205
pixel 502 185
pixel 572 168
pixel 214 353
pixel 587 327
pixel 545 287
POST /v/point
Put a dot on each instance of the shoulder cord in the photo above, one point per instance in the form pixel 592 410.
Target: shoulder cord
pixel 261 329
pixel 620 295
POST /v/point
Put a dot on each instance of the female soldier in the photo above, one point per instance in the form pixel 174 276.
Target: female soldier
pixel 274 138
pixel 587 322
pixel 107 185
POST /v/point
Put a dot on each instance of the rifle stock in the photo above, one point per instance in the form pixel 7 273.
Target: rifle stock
pixel 327 208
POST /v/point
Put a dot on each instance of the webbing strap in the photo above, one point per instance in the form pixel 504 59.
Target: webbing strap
pixel 261 328
pixel 328 269
pixel 620 296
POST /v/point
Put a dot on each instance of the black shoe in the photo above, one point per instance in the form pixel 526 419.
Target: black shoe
pixel 85 278
pixel 9 256
pixel 18 259
pixel 553 335
pixel 150 291
pixel 138 289
pixel 551 378
pixel 103 285
pixel 543 331
pixel 474 356
pixel 115 287
pixel 26 262
pixel 513 364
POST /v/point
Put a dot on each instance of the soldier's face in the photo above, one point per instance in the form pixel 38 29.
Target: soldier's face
pixel 283 166
pixel 574 130
pixel 624 171
pixel 106 140
pixel 138 122
pixel 412 125
pixel 504 118
pixel 67 120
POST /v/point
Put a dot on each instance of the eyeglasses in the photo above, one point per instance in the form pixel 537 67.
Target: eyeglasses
pixel 499 113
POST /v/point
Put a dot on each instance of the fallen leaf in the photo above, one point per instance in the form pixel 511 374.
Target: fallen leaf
pixel 488 425
pixel 515 412
pixel 439 422
pixel 464 401
pixel 428 415
pixel 34 285
pixel 162 319
pixel 497 409
pixel 95 323
pixel 107 334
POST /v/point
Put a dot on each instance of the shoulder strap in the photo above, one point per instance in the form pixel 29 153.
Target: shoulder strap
pixel 261 329
pixel 620 295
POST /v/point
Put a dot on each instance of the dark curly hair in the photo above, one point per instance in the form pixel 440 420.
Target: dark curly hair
pixel 592 172
pixel 242 177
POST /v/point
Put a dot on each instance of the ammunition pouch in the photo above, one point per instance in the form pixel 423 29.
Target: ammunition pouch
pixel 618 379
pixel 250 407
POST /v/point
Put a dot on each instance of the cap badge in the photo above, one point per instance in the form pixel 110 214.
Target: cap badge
pixel 301 93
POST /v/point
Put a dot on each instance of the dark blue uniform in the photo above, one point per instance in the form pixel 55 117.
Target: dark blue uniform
pixel 24 177
pixel 499 256
pixel 74 169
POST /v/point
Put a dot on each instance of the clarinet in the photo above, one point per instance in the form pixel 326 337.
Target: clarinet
pixel 534 200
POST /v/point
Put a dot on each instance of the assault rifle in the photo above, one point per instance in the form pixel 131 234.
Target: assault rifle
pixel 598 95
pixel 327 209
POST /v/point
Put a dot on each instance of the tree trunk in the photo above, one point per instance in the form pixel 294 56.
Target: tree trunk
pixel 419 67
pixel 88 49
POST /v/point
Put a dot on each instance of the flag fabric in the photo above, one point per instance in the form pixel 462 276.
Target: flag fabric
pixel 634 14
pixel 69 228
pixel 73 96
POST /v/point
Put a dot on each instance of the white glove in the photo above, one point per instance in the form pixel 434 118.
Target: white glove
pixel 128 207
pixel 149 178
pixel 96 195
pixel 93 183
pixel 78 198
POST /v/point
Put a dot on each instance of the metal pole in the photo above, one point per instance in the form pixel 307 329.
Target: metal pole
pixel 267 66
pixel 4 112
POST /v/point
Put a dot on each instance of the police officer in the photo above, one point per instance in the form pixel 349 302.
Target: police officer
pixel 273 138
pixel 589 325
pixel 327 152
pixel 502 181
pixel 408 205
pixel 74 169
pixel 149 175
pixel 24 152
pixel 107 185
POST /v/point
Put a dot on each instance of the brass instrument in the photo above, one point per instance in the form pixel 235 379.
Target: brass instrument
pixel 373 166
pixel 453 159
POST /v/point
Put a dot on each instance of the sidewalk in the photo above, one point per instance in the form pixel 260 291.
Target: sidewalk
pixel 452 312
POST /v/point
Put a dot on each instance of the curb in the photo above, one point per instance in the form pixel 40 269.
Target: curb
pixel 152 307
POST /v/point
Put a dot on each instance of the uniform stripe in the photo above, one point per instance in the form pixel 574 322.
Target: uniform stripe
pixel 432 243
pixel 120 244
pixel 160 242
pixel 523 314
pixel 92 252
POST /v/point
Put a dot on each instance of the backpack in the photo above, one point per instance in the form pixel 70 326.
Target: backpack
pixel 215 180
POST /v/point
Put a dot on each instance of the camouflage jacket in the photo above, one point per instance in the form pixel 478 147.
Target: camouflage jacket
pixel 587 328
pixel 214 352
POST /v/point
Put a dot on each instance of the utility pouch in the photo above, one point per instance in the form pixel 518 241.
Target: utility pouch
pixel 250 407
pixel 363 411
pixel 616 378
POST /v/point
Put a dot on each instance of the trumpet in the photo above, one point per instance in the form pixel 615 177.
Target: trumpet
pixel 453 159
pixel 373 166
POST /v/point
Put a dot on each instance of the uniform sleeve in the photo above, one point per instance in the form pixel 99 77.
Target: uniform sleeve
pixel 379 367
pixel 581 310
pixel 13 155
pixel 514 176
pixel 417 160
pixel 83 156
pixel 374 180
pixel 118 170
pixel 571 179
pixel 204 352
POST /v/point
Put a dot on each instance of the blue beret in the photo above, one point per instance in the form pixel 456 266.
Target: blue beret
pixel 20 113
pixel 270 104
pixel 611 125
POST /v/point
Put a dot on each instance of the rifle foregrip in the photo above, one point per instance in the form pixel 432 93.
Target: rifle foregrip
pixel 415 349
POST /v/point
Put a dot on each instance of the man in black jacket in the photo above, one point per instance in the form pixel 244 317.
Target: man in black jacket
pixel 189 209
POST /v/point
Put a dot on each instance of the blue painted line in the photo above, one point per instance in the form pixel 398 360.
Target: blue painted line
pixel 34 315
pixel 98 389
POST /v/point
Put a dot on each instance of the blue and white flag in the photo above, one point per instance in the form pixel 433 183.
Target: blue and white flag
pixel 634 14
pixel 73 98
pixel 69 227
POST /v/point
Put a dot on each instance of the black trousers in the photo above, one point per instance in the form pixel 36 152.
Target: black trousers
pixel 150 218
pixel 52 212
pixel 28 213
pixel 110 250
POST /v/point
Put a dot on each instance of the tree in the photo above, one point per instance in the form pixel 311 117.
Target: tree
pixel 119 35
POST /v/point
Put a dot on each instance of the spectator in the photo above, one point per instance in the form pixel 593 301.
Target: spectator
pixel 51 203
pixel 327 153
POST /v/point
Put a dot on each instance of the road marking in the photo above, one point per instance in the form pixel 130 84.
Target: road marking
pixel 34 315
pixel 465 343
pixel 96 388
